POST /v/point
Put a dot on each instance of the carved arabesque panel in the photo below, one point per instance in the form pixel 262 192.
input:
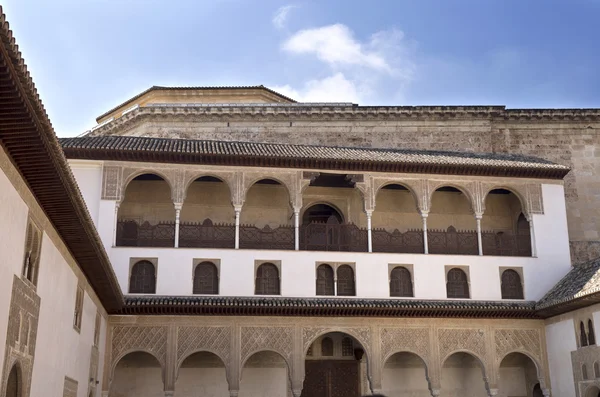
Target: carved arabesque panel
pixel 519 340
pixel 451 340
pixel 286 178
pixel 213 339
pixel 279 339
pixel 414 340
pixel 535 200
pixel 139 338
pixel 361 334
pixel 111 183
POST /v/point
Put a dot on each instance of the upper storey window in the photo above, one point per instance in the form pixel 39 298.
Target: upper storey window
pixel 143 278
pixel 345 281
pixel 325 280
pixel 206 278
pixel 33 246
pixel 511 285
pixel 401 282
pixel 457 285
pixel 267 280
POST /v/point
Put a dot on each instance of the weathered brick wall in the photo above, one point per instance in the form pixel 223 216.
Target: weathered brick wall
pixel 572 142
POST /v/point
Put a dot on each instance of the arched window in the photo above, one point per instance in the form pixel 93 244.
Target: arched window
pixel 400 282
pixel 511 285
pixel 584 373
pixel 32 253
pixel 345 281
pixel 267 280
pixel 583 340
pixel 143 278
pixel 206 279
pixel 596 370
pixel 325 280
pixel 347 347
pixel 591 333
pixel 457 285
pixel 327 347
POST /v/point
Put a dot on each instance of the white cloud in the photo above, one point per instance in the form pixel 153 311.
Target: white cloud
pixel 335 45
pixel 360 70
pixel 281 15
pixel 335 88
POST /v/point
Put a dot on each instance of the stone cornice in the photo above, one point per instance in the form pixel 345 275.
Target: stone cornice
pixel 335 112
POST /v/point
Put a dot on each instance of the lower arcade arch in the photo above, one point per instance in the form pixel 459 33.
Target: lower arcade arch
pixel 202 373
pixel 265 373
pixel 14 383
pixel 518 376
pixel 463 375
pixel 592 391
pixel 335 365
pixel 137 374
pixel 405 374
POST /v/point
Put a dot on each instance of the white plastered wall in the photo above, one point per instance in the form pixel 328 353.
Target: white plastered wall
pixel 560 342
pixel 88 175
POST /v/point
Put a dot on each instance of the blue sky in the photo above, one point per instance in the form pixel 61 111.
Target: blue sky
pixel 88 56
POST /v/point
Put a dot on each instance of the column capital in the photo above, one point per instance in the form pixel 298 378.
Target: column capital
pixel 435 392
pixel 369 213
pixel 424 214
pixel 478 214
pixel 493 392
pixel 178 206
pixel 169 393
pixel 297 392
pixel 546 392
pixel 234 393
pixel 237 207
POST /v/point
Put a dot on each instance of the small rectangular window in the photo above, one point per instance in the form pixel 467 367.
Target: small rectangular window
pixel 97 329
pixel 33 246
pixel 78 309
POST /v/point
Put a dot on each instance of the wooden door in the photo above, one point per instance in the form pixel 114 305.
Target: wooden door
pixel 332 378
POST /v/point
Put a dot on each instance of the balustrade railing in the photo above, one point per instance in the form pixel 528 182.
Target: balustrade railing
pixel 321 237
pixel 333 237
pixel 453 242
pixel 130 233
pixel 206 234
pixel 280 238
pixel 409 242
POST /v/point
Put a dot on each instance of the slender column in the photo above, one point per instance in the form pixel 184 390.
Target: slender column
pixel 424 216
pixel 532 235
pixel 296 229
pixel 478 217
pixel 238 210
pixel 117 205
pixel 369 232
pixel 178 207
pixel 546 392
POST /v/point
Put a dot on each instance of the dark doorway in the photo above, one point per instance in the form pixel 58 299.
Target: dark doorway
pixel 12 387
pixel 537 391
pixel 321 213
pixel 332 378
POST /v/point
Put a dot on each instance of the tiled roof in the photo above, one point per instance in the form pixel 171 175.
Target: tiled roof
pixel 306 156
pixel 581 286
pixel 27 136
pixel 202 88
pixel 222 305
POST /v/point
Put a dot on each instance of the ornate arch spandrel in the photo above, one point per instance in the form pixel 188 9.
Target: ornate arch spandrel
pixel 529 195
pixel 524 341
pixel 277 339
pixel 170 176
pixel 463 340
pixel 410 340
pixel 132 338
pixel 190 175
pixel 216 340
pixel 470 189
pixel 415 187
pixel 361 334
pixel 286 178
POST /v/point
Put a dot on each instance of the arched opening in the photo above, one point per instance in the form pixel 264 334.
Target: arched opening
pixel 206 279
pixel 405 374
pixel 335 366
pixel 397 225
pixel 265 373
pixel 333 218
pixel 202 373
pixel 143 278
pixel 266 218
pixel 267 280
pixel 457 284
pixel 592 391
pixel 463 374
pixel 596 370
pixel 451 224
pixel 346 285
pixel 505 230
pixel 401 282
pixel 584 373
pixel 517 373
pixel 537 391
pixel 207 217
pixel 137 374
pixel 325 280
pixel 591 333
pixel 13 385
pixel 583 339
pixel 146 217
pixel 323 229
pixel 511 285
